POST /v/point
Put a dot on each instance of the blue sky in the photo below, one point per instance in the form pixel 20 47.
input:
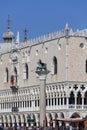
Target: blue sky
pixel 42 16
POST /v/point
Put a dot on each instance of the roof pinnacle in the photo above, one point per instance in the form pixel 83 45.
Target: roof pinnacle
pixel 25 34
pixel 8 21
pixel 67 26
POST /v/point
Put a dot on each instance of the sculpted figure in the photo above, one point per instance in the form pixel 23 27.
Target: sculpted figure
pixel 41 66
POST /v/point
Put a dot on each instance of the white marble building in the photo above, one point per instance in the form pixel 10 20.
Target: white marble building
pixel 65 54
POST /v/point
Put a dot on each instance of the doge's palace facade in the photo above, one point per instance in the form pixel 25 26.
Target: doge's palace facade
pixel 65 54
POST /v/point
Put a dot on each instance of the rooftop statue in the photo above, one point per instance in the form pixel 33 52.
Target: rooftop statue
pixel 41 66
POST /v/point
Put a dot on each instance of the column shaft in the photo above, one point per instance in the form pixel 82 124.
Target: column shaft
pixel 42 101
pixel 75 102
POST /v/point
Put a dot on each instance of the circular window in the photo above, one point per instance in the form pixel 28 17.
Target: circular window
pixel 82 45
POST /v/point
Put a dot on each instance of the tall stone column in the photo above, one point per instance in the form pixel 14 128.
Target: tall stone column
pixel 42 76
pixel 42 99
pixel 82 102
pixel 48 119
pixel 53 117
pixel 67 102
pixel 75 101
pixel 37 119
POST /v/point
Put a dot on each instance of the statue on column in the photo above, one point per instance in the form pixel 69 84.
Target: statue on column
pixel 41 66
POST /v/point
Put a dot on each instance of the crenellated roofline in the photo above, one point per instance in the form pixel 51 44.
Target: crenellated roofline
pixel 45 38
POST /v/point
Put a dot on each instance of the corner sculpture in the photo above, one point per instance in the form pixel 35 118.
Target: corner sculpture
pixel 41 66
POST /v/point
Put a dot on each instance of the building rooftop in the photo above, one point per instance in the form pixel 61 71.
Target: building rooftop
pixel 50 36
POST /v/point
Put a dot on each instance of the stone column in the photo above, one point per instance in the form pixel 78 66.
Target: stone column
pixel 5 125
pixel 75 102
pixel 63 102
pixel 22 124
pixel 4 121
pixel 60 124
pixel 17 119
pixel 53 117
pixel 82 102
pixel 27 125
pixel 42 76
pixel 42 100
pixel 56 101
pixel 67 99
pixel 70 127
pixel 22 104
pixel 47 102
pixel 51 103
pixel 60 102
pixel 67 125
pixel 22 120
pixel 48 119
pixel 32 123
pixel 37 119
pixel 8 120
pixel 26 117
pixel 13 124
pixel 0 120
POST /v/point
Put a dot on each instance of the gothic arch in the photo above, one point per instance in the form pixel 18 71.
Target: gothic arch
pixel 86 66
pixel 19 117
pixel 71 98
pixel 79 98
pixel 6 75
pixel 25 71
pixel 75 115
pixel 55 64
pixel 15 73
pixel 85 98
pixel 50 116
pixel 10 118
pixel 1 119
pixel 62 115
pixel 13 118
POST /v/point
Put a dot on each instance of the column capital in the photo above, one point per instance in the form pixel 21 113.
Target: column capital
pixel 42 73
pixel 42 77
pixel 53 115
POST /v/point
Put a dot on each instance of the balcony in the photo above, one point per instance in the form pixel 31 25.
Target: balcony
pixel 14 88
pixel 14 109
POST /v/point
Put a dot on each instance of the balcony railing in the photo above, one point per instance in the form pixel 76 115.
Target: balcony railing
pixel 14 109
pixel 14 88
pixel 77 106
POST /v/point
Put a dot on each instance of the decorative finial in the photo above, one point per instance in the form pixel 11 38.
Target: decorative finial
pixel 66 29
pixel 25 34
pixel 67 26
pixel 18 38
pixel 8 20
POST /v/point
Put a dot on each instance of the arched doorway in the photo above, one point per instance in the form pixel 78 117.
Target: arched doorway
pixel 76 122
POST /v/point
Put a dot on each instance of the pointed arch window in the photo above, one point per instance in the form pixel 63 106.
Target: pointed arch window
pixel 72 98
pixel 79 98
pixel 86 66
pixel 25 71
pixel 85 98
pixel 15 73
pixel 54 66
pixel 6 75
